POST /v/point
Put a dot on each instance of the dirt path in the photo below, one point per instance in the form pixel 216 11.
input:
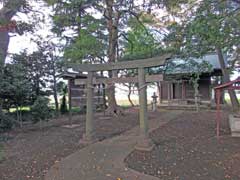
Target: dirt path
pixel 29 153
pixel 188 149
pixel 105 160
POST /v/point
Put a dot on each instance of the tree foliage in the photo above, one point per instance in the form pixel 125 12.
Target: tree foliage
pixel 141 42
pixel 105 31
pixel 35 67
pixel 212 28
pixel 6 122
pixel 15 88
pixel 40 109
pixel 215 24
pixel 63 107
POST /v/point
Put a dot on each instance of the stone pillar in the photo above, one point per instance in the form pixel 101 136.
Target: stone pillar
pixel 144 143
pixel 154 101
pixel 89 136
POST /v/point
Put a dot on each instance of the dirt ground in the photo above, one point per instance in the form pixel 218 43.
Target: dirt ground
pixel 187 149
pixel 30 152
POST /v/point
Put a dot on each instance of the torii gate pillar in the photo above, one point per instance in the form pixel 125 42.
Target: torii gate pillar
pixel 144 143
pixel 89 136
pixel 143 115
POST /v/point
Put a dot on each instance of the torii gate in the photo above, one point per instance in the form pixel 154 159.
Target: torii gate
pixel 234 85
pixel 145 143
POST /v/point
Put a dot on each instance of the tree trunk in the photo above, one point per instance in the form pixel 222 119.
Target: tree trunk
pixel 10 8
pixel 129 95
pixel 4 39
pixel 226 78
pixel 20 117
pixel 55 94
pixel 112 26
pixel 37 85
pixel 4 42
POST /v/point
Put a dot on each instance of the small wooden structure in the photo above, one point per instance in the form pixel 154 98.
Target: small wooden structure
pixel 140 65
pixel 234 85
pixel 177 86
pixel 77 94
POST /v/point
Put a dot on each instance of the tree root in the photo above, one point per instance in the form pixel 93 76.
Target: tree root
pixel 115 111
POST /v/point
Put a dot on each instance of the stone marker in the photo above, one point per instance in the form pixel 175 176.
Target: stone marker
pixel 154 101
pixel 234 122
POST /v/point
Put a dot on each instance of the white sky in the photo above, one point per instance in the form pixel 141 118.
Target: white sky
pixel 19 43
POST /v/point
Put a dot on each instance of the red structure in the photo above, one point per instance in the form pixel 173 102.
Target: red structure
pixel 234 85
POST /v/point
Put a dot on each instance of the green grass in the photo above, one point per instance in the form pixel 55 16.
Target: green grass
pixel 27 108
pixel 76 110
pixel 227 98
pixel 126 103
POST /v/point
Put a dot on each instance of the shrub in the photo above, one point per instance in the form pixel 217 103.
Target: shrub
pixel 6 122
pixel 63 107
pixel 40 110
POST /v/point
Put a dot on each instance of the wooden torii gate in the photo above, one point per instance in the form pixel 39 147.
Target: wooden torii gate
pixel 142 79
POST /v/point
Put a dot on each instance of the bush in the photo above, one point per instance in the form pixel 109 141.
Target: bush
pixel 6 122
pixel 40 110
pixel 63 107
pixel 26 114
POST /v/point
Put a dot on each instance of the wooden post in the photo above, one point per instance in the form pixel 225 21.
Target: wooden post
pixel 144 143
pixel 70 102
pixel 89 117
pixel 183 90
pixel 169 92
pixel 104 99
pixel 159 86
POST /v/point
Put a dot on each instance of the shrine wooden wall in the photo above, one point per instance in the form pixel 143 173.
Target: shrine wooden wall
pixel 170 90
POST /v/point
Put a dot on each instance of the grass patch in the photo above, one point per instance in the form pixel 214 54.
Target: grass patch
pixel 26 108
pixel 228 100
pixel 76 110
